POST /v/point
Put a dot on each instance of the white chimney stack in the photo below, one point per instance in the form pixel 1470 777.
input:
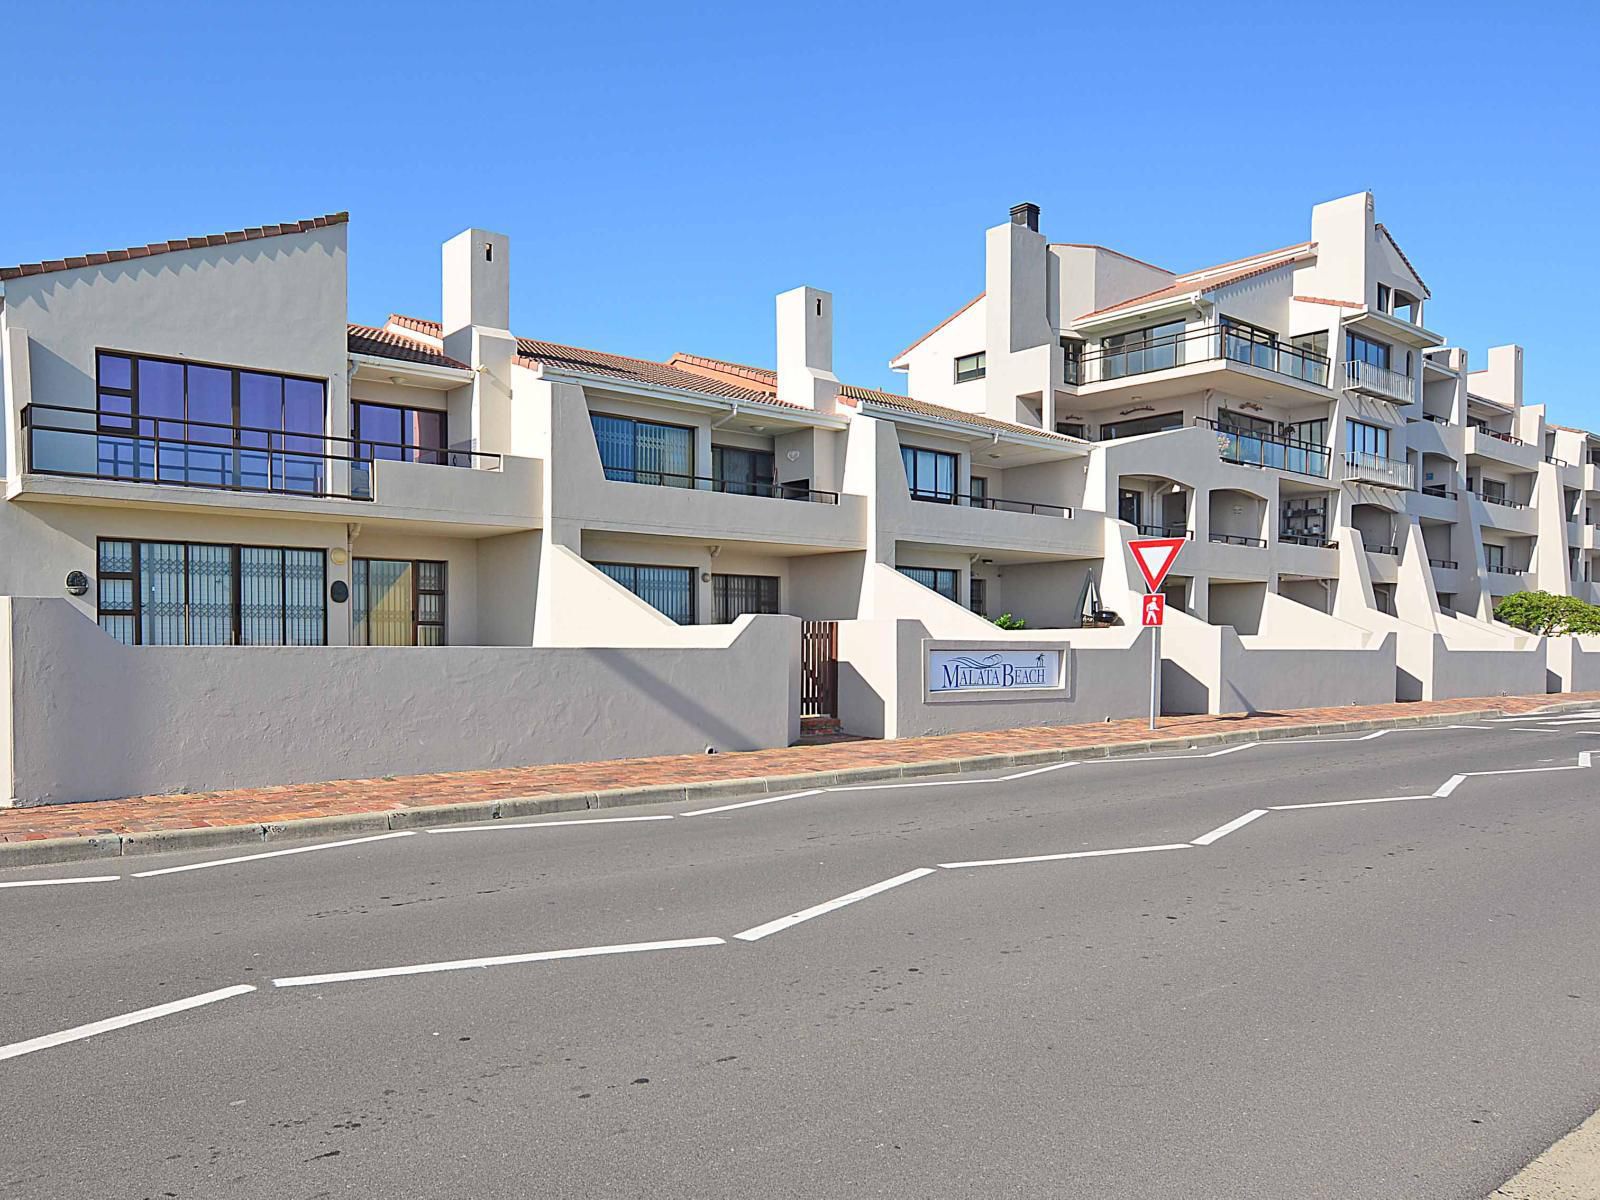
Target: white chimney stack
pixel 805 349
pixel 477 281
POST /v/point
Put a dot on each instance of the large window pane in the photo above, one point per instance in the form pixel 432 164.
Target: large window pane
pixel 305 614
pixel 383 602
pixel 260 596
pixel 161 586
pixel 667 589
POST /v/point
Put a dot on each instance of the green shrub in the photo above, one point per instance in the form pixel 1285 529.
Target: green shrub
pixel 1007 621
pixel 1548 615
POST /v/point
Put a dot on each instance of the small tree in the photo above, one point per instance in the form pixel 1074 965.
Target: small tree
pixel 1007 621
pixel 1548 615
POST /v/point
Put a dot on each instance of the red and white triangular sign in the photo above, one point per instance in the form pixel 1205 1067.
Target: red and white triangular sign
pixel 1154 557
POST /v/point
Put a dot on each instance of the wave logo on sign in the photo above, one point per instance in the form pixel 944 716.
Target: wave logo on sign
pixel 962 672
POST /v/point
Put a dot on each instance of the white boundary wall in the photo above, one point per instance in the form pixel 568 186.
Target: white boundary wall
pixel 92 719
pixel 1575 663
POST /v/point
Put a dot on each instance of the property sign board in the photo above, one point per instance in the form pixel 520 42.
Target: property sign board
pixel 983 669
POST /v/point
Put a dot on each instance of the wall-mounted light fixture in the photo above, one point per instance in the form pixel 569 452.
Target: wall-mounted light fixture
pixel 77 583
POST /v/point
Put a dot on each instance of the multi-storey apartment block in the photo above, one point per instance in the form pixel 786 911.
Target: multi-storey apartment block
pixel 246 541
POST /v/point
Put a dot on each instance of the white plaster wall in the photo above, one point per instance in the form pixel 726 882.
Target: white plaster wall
pixel 7 780
pixel 1574 663
pixel 92 719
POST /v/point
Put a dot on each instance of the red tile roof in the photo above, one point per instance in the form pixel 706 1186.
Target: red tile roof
pixel 939 326
pixel 384 343
pixel 422 325
pixel 637 370
pixel 1384 229
pixel 1335 303
pixel 1206 279
pixel 730 372
pixel 854 395
pixel 194 243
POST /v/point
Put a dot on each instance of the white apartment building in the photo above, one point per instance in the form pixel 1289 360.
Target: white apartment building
pixel 244 541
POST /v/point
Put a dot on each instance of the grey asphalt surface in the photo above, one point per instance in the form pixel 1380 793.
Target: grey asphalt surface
pixel 1388 1000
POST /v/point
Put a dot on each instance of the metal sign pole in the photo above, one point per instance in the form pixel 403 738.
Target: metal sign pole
pixel 1155 673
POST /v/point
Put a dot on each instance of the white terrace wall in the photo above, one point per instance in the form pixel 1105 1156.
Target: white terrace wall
pixel 883 684
pixel 91 719
pixel 1574 664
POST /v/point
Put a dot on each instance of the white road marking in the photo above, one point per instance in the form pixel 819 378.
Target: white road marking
pixel 805 914
pixel 721 808
pixel 501 960
pixel 1585 758
pixel 545 824
pixel 244 858
pixel 1343 803
pixel 53 882
pixel 1034 858
pixel 1231 749
pixel 1041 770
pixel 1222 831
pixel 79 1032
pixel 1449 785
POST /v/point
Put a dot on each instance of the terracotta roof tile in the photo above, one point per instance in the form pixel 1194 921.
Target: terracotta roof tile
pixel 384 343
pixel 1335 303
pixel 638 370
pixel 853 395
pixel 194 243
pixel 761 378
pixel 1198 281
pixel 431 329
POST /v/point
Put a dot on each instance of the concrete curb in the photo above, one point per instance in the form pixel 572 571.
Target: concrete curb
pixel 101 846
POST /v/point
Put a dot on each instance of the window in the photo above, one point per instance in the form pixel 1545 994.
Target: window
pixel 401 434
pixel 978 596
pixel 930 474
pixel 1494 557
pixel 1246 343
pixel 972 366
pixel 1072 360
pixel 198 594
pixel 1151 349
pixel 1305 518
pixel 1245 423
pixel 644 451
pixel 1129 506
pixel 1360 349
pixel 1141 425
pixel 1493 489
pixel 743 472
pixel 735 595
pixel 1385 300
pixel 208 426
pixel 1077 429
pixel 941 579
pixel 978 488
pixel 1361 438
pixel 398 602
pixel 1308 358
pixel 667 589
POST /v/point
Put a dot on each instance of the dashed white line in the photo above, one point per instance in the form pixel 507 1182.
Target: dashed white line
pixel 52 882
pixel 79 1032
pixel 499 960
pixel 1449 785
pixel 1222 831
pixel 806 914
pixel 722 808
pixel 1231 749
pixel 1036 858
pixel 1343 803
pixel 244 858
pixel 547 824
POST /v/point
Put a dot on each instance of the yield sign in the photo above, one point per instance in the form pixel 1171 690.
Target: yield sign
pixel 1155 557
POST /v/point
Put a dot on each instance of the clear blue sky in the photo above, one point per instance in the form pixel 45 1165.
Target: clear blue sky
pixel 663 170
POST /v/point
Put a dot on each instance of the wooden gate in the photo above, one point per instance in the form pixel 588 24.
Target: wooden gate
pixel 819 668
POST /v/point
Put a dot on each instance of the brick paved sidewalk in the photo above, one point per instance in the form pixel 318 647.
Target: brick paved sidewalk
pixel 271 805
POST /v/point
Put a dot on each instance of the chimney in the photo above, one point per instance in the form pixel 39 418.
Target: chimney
pixel 477 281
pixel 805 349
pixel 1026 215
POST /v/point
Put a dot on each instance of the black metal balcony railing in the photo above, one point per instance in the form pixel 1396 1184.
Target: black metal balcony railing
pixel 1168 531
pixel 1449 564
pixel 995 503
pixel 1509 438
pixel 1261 449
pixel 1439 490
pixel 1207 343
pixel 1237 539
pixel 1392 551
pixel 1556 462
pixel 82 443
pixel 1315 541
pixel 730 487
pixel 1502 501
pixel 1505 570
pixel 1436 419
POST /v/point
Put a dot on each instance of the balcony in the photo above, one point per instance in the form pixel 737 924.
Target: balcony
pixel 1237 539
pixel 1504 448
pixel 1377 471
pixel 1210 343
pixel 1373 380
pixel 1165 531
pixel 728 487
pixel 1255 449
pixel 993 503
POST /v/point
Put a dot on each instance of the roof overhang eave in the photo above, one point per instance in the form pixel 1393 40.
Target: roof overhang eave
pixel 971 433
pixel 705 400
pixel 454 376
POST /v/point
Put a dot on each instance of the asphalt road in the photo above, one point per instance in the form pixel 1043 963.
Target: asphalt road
pixel 1375 1000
